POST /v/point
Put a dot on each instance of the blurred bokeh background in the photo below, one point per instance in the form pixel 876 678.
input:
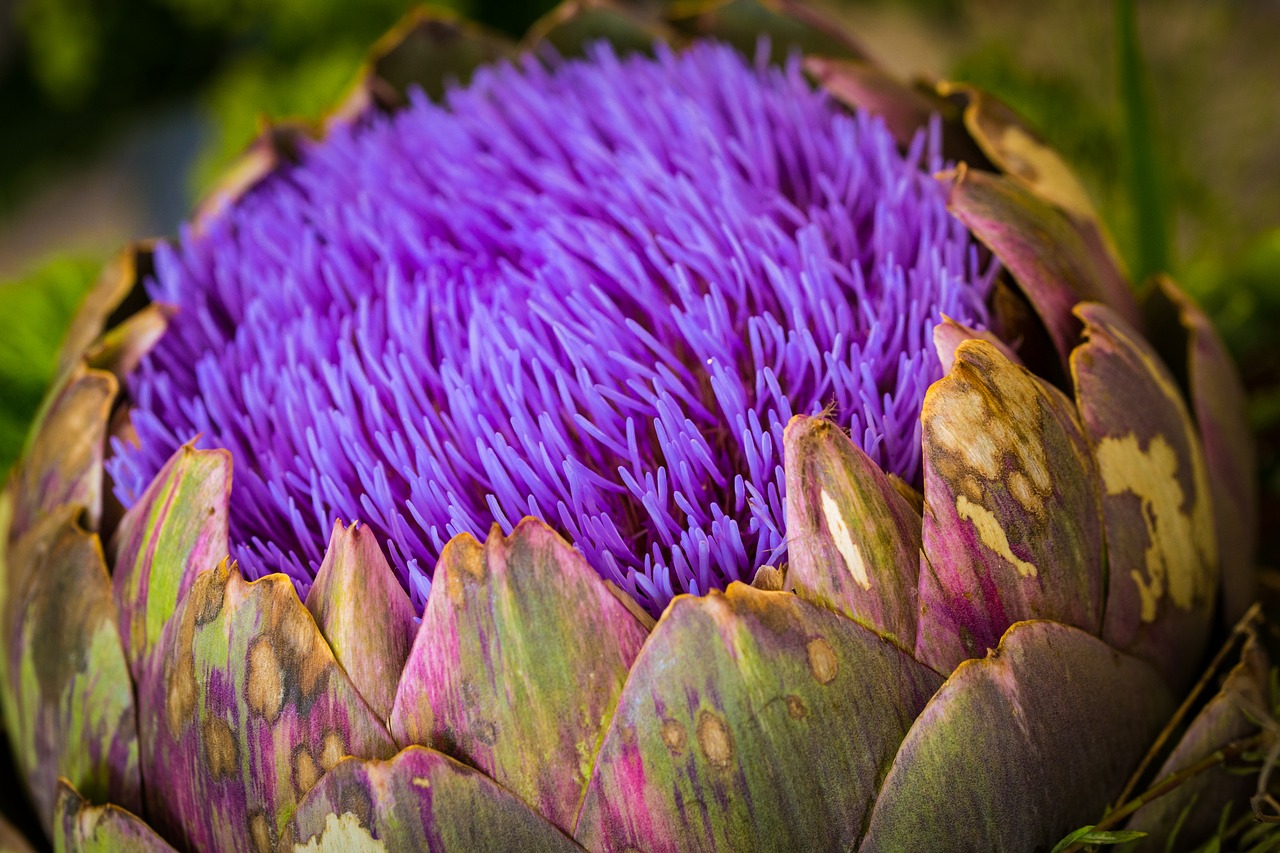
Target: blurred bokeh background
pixel 116 116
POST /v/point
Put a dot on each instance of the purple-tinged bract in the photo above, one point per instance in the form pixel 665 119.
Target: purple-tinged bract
pixel 591 291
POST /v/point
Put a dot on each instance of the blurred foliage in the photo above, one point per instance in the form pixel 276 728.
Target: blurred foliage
pixel 297 58
pixel 65 46
pixel 262 86
pixel 45 301
pixel 314 48
pixel 74 72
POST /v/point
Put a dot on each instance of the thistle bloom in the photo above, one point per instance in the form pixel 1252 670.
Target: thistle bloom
pixel 592 293
pixel 577 338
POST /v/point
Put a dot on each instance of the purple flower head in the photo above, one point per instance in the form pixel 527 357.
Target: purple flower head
pixel 589 291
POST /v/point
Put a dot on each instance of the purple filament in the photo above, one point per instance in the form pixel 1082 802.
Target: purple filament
pixel 589 291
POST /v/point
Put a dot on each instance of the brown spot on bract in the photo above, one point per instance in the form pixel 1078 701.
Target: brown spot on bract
pixel 1023 493
pixel 796 707
pixel 58 635
pixel 221 754
pixel 306 654
pixel 264 687
pixel 186 630
pixel 313 671
pixel 983 421
pixel 261 832
pixel 208 592
pixel 332 750
pixel 485 731
pixel 305 771
pixel 715 740
pixel 822 660
pixel 304 657
pixel 673 735
pixel 296 630
pixel 180 693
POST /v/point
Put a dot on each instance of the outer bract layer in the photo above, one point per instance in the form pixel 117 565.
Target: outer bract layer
pixel 593 292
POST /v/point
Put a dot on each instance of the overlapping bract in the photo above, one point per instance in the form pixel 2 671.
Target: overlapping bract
pixel 980 666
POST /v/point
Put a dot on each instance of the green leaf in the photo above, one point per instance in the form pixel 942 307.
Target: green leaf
pixel 1086 835
pixel 1171 842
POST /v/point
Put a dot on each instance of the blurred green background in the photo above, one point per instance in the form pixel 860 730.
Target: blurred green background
pixel 117 115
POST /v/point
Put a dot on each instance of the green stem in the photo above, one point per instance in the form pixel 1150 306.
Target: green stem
pixel 1150 210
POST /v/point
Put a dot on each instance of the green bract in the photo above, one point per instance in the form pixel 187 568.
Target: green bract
pixel 987 665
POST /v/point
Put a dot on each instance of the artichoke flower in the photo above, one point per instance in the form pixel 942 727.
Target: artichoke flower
pixel 674 440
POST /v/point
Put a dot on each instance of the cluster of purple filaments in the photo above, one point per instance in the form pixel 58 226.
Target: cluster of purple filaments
pixel 589 291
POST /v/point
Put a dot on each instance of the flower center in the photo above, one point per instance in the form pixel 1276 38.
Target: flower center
pixel 593 293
